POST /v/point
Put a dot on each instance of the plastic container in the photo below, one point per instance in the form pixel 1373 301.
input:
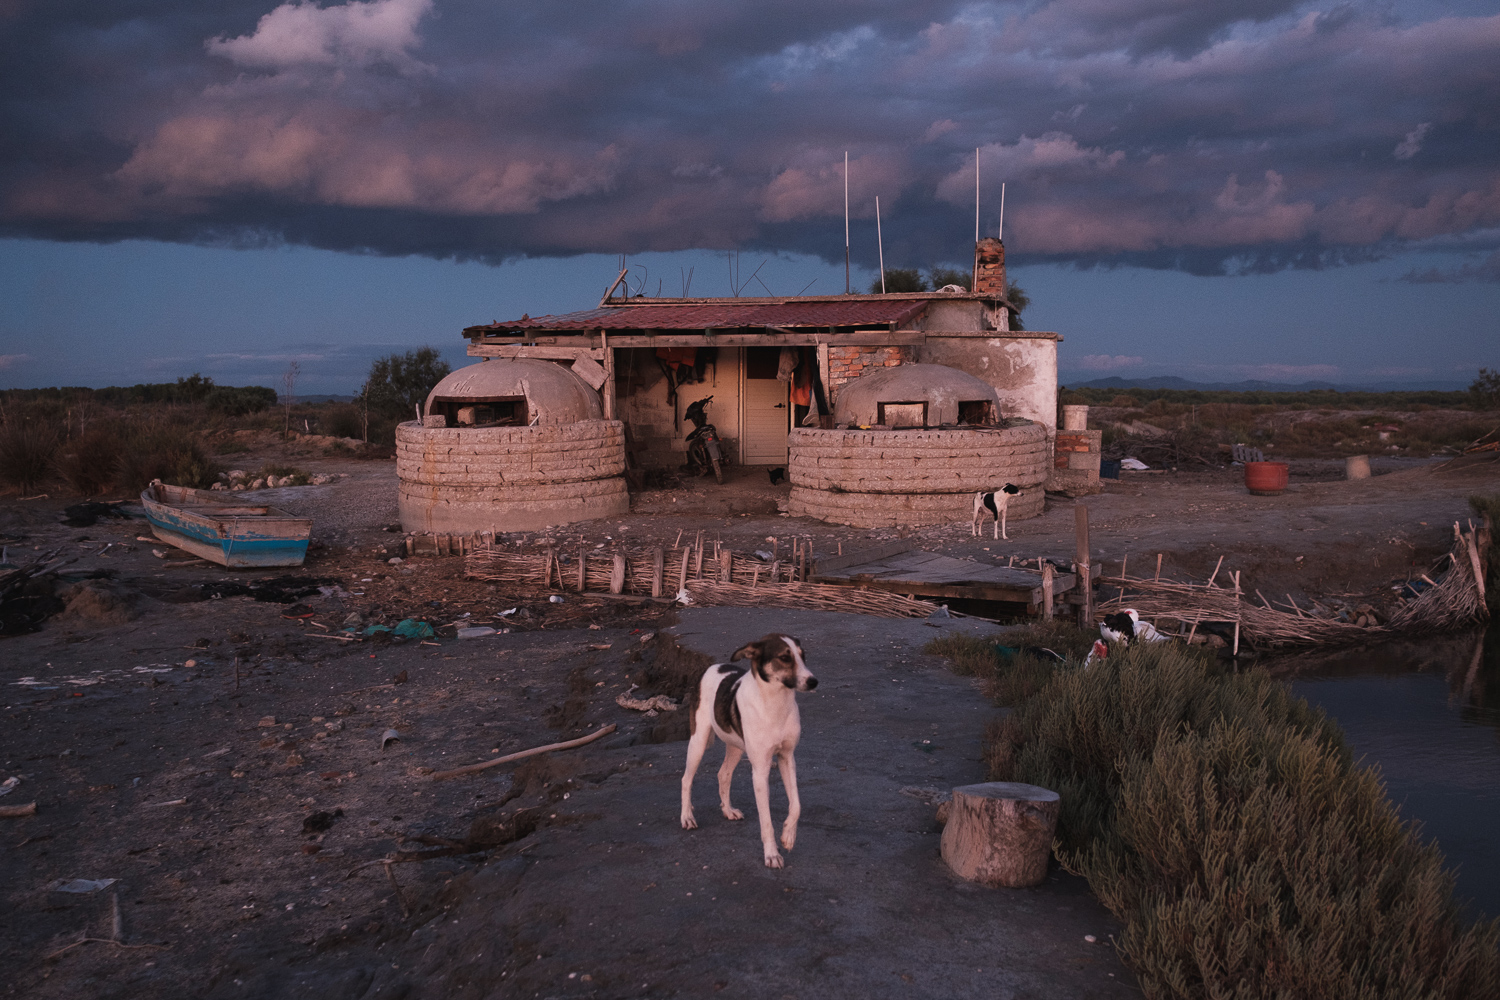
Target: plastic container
pixel 1109 468
pixel 1265 479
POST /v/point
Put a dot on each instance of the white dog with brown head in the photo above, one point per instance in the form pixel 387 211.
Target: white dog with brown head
pixel 754 712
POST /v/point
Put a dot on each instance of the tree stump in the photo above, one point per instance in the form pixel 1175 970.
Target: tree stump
pixel 1000 833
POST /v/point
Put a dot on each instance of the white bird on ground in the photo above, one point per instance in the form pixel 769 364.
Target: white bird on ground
pixel 1126 626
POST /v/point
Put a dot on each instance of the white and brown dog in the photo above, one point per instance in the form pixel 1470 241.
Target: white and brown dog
pixel 996 503
pixel 755 713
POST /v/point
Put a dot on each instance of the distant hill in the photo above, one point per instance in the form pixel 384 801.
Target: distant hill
pixel 1182 384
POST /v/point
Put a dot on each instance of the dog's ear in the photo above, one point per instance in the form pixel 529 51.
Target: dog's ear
pixel 752 651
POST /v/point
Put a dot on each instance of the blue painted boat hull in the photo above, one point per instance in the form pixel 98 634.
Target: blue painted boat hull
pixel 213 526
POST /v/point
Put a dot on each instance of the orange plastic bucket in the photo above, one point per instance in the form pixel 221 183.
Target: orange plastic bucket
pixel 1265 479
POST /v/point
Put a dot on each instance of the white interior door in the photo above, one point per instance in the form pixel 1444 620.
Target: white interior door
pixel 765 404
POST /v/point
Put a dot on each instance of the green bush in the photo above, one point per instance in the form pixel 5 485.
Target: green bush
pixel 169 452
pixel 341 420
pixel 1225 822
pixel 239 401
pixel 90 463
pixel 26 450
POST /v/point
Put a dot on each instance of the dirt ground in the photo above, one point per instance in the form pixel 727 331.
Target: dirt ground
pixel 230 767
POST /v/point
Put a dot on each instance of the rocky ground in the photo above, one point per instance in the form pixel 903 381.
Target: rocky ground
pixel 230 765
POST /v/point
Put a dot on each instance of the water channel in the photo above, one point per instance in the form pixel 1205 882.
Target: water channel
pixel 1427 714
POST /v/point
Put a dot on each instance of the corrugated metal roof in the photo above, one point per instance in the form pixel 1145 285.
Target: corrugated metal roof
pixel 727 315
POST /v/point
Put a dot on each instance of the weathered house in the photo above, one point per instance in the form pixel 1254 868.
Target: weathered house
pixel 775 365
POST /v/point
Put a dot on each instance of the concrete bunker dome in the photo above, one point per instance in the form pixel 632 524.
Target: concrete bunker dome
pixel 513 391
pixel 510 445
pixel 917 395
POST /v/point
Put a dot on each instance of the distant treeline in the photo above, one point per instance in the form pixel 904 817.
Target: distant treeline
pixel 1331 399
pixel 230 400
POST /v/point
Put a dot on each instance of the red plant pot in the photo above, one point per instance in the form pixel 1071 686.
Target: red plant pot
pixel 1265 479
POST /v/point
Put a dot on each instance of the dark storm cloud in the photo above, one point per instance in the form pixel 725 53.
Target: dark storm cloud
pixel 1249 135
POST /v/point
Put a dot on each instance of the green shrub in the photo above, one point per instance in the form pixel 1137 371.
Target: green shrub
pixel 171 453
pixel 238 401
pixel 341 420
pixel 90 463
pixel 26 450
pixel 1225 822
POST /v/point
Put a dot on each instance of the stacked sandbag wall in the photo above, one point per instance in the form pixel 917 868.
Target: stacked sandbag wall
pixel 889 478
pixel 464 479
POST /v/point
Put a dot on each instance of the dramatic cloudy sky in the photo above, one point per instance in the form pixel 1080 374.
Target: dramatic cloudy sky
pixel 1229 189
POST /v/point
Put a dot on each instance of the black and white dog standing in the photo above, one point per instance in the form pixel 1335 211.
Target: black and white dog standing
pixel 996 503
pixel 755 713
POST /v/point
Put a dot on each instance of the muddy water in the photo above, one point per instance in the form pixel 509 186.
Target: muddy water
pixel 1428 715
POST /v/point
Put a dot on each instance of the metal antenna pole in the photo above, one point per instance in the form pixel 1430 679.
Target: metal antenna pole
pixel 846 222
pixel 880 242
pixel 1002 211
pixel 976 194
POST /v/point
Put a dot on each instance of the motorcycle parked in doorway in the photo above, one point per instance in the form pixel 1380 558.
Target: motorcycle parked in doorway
pixel 704 453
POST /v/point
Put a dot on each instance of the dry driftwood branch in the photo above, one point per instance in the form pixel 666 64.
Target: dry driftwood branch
pixel 568 745
pixel 16 812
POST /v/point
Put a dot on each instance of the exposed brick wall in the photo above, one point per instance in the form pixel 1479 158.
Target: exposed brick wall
pixel 845 363
pixel 989 267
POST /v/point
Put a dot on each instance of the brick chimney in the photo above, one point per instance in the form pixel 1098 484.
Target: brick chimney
pixel 989 267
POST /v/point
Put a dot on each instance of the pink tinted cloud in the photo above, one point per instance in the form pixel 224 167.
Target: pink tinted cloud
pixel 817 189
pixel 337 156
pixel 354 34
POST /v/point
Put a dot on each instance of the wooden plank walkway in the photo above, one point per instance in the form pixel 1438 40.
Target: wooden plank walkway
pixel 904 569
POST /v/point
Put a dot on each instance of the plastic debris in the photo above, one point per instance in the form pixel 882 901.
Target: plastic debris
pixel 941 612
pixel 388 736
pixel 1134 464
pixel 9 785
pixel 82 884
pixel 556 599
pixel 475 632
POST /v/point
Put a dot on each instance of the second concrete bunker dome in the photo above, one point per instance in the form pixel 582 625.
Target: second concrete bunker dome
pixel 917 396
pixel 514 391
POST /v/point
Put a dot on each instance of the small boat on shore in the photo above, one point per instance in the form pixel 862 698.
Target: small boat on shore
pixel 213 526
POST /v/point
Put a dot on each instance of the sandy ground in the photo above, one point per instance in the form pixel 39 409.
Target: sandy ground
pixel 225 763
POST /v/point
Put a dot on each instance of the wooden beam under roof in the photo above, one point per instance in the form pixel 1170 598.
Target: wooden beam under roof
pixel 486 346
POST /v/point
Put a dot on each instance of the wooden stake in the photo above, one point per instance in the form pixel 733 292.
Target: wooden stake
pixel 679 538
pixel 726 566
pixel 1236 650
pixel 698 559
pixel 682 573
pixel 617 575
pixel 755 580
pixel 1158 567
pixel 1046 591
pixel 583 562
pixel 1084 568
pixel 658 566
pixel 1215 573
